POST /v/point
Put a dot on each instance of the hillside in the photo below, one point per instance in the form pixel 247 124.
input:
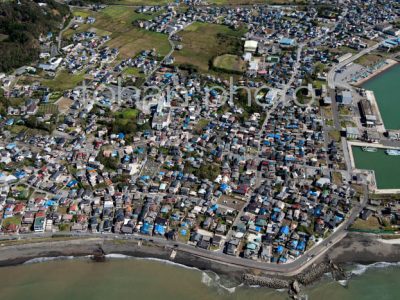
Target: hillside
pixel 21 23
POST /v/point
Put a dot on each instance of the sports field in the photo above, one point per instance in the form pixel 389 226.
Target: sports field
pixel 202 42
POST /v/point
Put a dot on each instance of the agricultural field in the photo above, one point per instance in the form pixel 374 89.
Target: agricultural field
pixel 48 109
pixel 117 21
pixel 230 62
pixel 64 81
pixel 136 40
pixel 203 42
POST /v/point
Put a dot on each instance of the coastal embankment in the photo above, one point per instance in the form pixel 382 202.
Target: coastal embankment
pixel 387 65
pixel 355 248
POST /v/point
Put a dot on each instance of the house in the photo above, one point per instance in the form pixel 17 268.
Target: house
pixel 40 222
pixel 286 42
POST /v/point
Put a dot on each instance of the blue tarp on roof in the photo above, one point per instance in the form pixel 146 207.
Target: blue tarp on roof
pixel 20 174
pixel 50 203
pixel 159 229
pixel 294 243
pixel 224 187
pixel 145 229
pixel 72 183
pixel 284 230
pixel 301 246
pixel 279 249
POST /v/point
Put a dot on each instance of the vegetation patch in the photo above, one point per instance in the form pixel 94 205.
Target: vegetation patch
pixel 64 81
pixel 202 42
pixel 371 224
pixel 119 23
pixel 369 60
pixel 229 63
pixel 22 22
pixel 137 40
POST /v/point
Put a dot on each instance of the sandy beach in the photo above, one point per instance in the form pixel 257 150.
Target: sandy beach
pixel 354 248
pixel 364 249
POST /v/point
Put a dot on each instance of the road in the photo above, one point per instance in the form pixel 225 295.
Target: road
pixel 332 72
pixel 60 34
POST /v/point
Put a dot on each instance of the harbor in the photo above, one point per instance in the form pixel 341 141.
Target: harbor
pixel 383 168
pixel 385 88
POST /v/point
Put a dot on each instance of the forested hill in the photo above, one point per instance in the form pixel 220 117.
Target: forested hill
pixel 21 23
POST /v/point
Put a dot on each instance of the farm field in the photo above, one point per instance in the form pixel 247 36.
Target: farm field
pixel 203 42
pixel 117 21
pixel 64 81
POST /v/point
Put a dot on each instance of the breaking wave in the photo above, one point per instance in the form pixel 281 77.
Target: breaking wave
pixel 46 259
pixel 361 269
pixel 213 280
pixel 343 282
pixel 208 278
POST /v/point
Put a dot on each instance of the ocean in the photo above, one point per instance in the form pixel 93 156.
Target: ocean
pixel 131 278
pixel 386 90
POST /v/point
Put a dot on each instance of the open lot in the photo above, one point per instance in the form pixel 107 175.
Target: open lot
pixel 229 63
pixel 202 42
pixel 64 104
pixel 371 224
pixel 231 202
pixel 369 60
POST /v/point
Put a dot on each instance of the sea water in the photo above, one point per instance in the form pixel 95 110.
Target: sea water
pixel 122 277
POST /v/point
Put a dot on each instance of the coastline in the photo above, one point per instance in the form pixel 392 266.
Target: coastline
pixel 354 248
pixel 390 63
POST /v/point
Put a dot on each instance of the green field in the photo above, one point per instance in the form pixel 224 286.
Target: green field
pixel 118 22
pixel 64 81
pixel 133 71
pixel 45 109
pixel 136 40
pixel 229 62
pixel 202 42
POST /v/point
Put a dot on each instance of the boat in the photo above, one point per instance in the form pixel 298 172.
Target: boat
pixel 395 152
pixel 369 149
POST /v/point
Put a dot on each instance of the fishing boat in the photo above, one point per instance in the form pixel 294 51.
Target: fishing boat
pixel 369 149
pixel 394 152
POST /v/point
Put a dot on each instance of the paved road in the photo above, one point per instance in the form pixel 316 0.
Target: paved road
pixel 331 75
pixel 60 34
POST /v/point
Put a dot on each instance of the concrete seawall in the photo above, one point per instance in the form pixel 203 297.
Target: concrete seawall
pixel 373 183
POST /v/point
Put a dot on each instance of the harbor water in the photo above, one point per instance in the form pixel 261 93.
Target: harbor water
pixel 386 87
pixel 129 278
pixel 386 167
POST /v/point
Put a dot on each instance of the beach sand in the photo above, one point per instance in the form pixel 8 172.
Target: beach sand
pixel 354 248
pixel 364 249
